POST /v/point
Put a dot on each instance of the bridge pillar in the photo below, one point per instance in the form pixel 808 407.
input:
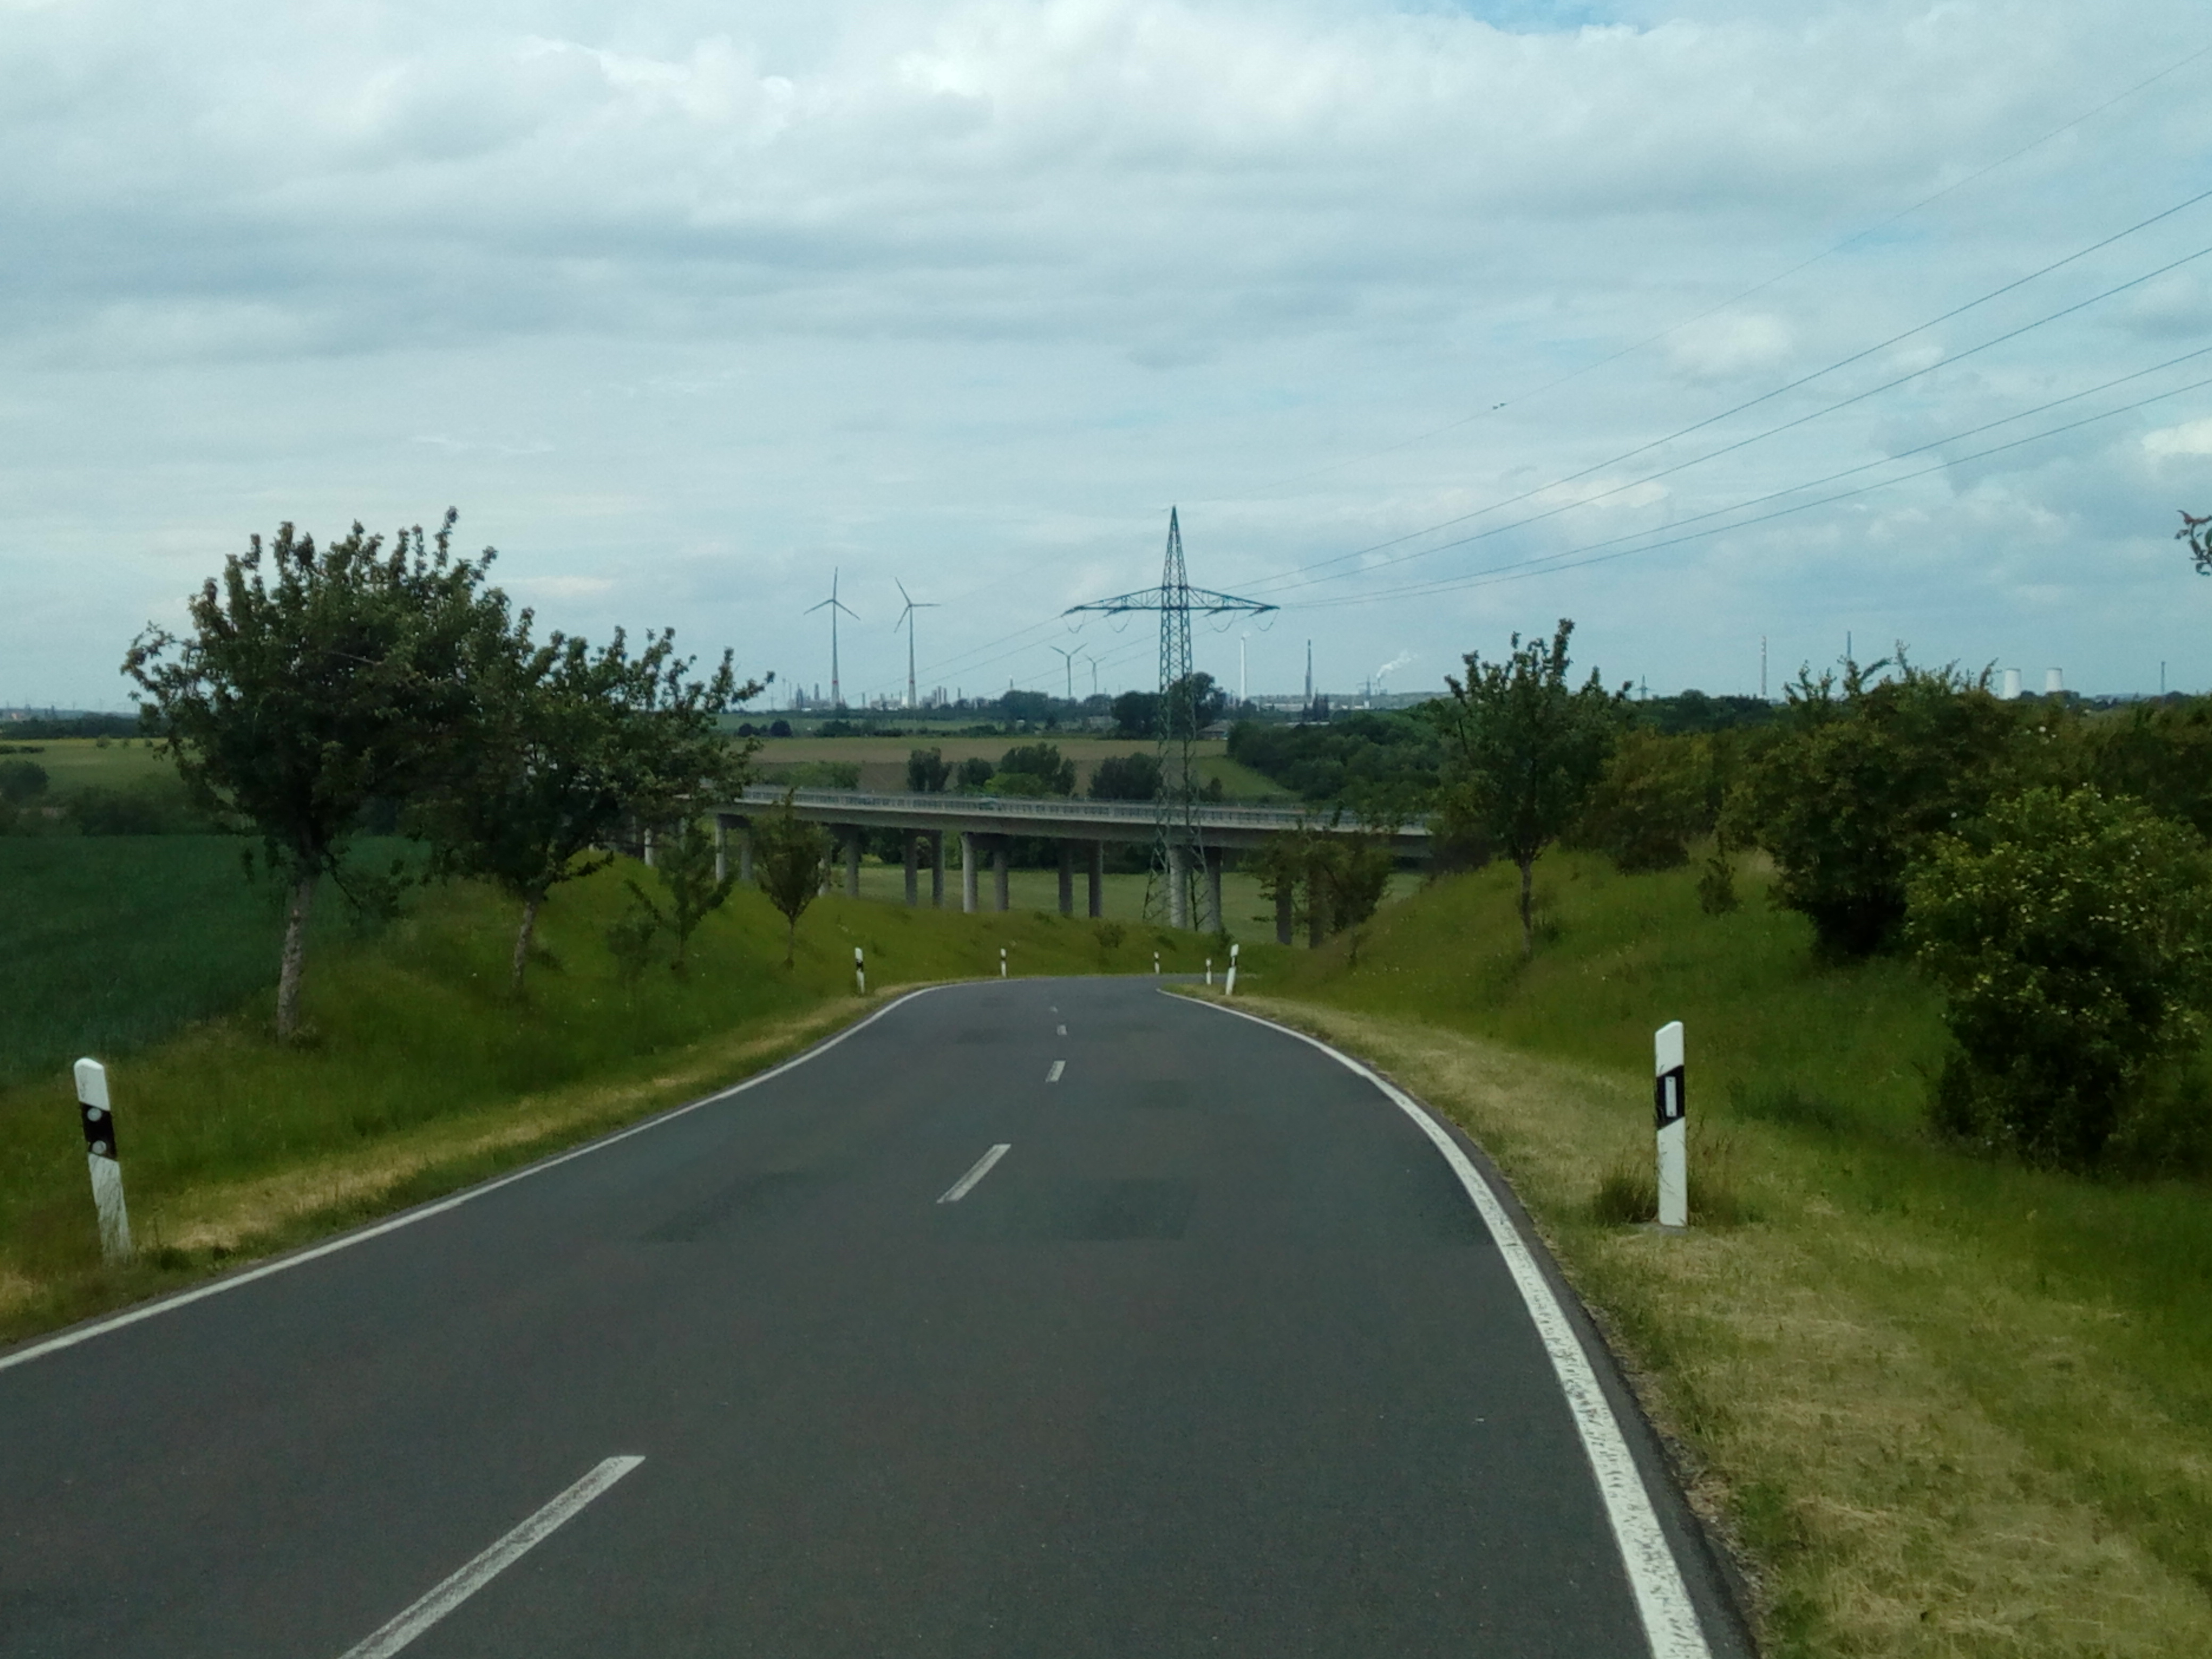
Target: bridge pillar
pixel 1178 886
pixel 853 834
pixel 1066 877
pixel 721 849
pixel 1286 902
pixel 912 839
pixel 1211 920
pixel 1098 878
pixel 999 854
pixel 936 868
pixel 969 854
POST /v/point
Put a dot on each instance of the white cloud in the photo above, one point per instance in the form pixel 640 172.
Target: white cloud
pixel 2190 438
pixel 969 293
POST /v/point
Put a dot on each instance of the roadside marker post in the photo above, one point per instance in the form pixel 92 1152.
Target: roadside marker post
pixel 101 1155
pixel 1228 981
pixel 1209 972
pixel 1670 1113
pixel 1002 962
pixel 860 971
pixel 1156 964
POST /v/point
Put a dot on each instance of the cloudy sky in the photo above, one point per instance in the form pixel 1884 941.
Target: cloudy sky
pixel 1697 322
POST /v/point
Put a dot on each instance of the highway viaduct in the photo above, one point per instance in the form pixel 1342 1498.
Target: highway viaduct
pixel 987 824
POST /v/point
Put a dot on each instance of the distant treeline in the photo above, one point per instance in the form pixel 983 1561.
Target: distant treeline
pixel 40 728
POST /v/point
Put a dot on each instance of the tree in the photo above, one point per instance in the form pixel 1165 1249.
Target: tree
pixel 1856 777
pixel 1126 777
pixel 1192 704
pixel 788 853
pixel 314 682
pixel 563 747
pixel 973 774
pixel 684 861
pixel 1137 715
pixel 1043 762
pixel 1524 752
pixel 22 782
pixel 2072 936
pixel 1650 801
pixel 927 772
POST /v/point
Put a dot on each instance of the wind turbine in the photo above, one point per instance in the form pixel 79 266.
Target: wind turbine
pixel 1068 657
pixel 833 605
pixel 906 621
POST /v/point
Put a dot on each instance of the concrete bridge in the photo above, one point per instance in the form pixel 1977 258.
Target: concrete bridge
pixel 985 823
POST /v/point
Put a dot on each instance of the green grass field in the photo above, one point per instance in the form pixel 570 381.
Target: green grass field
pixel 1948 1405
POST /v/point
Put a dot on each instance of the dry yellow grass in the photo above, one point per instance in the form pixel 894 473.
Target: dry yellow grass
pixel 1845 1391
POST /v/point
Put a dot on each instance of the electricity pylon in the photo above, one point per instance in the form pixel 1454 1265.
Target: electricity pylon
pixel 837 696
pixel 1178 851
pixel 906 621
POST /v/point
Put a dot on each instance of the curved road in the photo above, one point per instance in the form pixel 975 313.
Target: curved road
pixel 1215 1357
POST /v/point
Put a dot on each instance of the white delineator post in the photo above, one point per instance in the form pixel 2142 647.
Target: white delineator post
pixel 1229 982
pixel 860 971
pixel 1002 962
pixel 1209 972
pixel 1669 1114
pixel 100 1152
pixel 1156 964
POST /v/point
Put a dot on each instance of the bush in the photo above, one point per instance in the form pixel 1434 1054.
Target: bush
pixel 1852 789
pixel 21 780
pixel 1650 802
pixel 2073 939
pixel 1126 777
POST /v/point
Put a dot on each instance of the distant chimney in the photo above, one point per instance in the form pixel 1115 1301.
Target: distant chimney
pixel 2009 684
pixel 2054 682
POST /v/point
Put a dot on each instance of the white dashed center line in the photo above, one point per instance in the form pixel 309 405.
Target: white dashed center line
pixel 1063 1031
pixel 961 1188
pixel 476 1574
pixel 1058 1067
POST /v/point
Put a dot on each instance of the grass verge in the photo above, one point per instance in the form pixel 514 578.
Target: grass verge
pixel 421 1072
pixel 1942 1406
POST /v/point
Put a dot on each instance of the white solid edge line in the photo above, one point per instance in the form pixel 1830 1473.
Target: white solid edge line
pixel 452 1201
pixel 1058 1067
pixel 960 1188
pixel 449 1595
pixel 1662 1599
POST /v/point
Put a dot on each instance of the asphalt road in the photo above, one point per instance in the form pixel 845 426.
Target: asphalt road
pixel 1216 1357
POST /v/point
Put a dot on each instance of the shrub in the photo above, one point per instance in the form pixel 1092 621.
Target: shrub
pixel 2073 940
pixel 1649 803
pixel 21 780
pixel 1852 787
pixel 1126 777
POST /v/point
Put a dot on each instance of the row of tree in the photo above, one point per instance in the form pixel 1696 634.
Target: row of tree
pixel 315 684
pixel 2047 868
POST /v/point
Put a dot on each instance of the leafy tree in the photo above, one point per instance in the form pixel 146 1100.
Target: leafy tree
pixel 1856 779
pixel 1029 707
pixel 1524 749
pixel 788 853
pixel 1651 800
pixel 314 682
pixel 2072 936
pixel 972 774
pixel 2160 753
pixel 564 746
pixel 1361 760
pixel 1126 777
pixel 1043 762
pixel 1137 715
pixel 1334 876
pixel 684 861
pixel 1192 704
pixel 927 772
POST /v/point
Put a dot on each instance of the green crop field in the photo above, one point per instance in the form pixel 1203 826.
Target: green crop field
pixel 116 941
